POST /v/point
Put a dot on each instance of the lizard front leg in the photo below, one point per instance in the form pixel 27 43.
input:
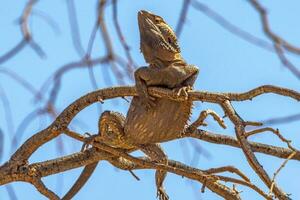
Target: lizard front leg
pixel 142 76
pixel 156 153
pixel 179 78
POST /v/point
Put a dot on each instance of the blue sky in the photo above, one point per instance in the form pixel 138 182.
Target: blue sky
pixel 227 64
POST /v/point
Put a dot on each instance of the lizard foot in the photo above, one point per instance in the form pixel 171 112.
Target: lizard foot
pixel 183 91
pixel 161 194
pixel 88 141
pixel 148 102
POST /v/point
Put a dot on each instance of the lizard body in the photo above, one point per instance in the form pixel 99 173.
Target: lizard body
pixel 150 121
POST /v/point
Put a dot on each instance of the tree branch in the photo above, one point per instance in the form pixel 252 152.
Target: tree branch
pixel 19 159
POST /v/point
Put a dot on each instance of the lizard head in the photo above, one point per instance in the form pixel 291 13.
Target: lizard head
pixel 157 39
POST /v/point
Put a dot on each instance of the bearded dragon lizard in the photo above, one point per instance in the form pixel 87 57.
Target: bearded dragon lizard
pixel 150 121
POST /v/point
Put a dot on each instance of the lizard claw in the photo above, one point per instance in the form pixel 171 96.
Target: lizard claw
pixel 183 91
pixel 88 141
pixel 148 102
pixel 161 194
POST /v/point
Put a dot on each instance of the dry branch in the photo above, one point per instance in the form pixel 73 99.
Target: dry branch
pixel 17 167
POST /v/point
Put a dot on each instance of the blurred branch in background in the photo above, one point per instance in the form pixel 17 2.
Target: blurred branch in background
pixel 1 144
pixel 281 120
pixel 7 112
pixel 182 17
pixel 131 64
pixel 74 27
pixel 27 35
pixel 227 25
pixel 279 43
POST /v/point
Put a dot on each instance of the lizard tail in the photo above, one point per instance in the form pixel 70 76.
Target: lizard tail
pixel 80 182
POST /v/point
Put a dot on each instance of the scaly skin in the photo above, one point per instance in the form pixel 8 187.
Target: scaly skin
pixel 150 121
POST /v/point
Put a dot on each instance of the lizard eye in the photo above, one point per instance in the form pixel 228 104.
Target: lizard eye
pixel 157 20
pixel 169 40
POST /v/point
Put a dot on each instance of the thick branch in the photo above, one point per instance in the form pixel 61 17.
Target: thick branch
pixel 90 156
pixel 63 120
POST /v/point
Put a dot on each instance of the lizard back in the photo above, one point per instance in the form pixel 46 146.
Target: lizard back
pixel 162 123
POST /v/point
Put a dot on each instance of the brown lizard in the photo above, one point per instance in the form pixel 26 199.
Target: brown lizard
pixel 150 121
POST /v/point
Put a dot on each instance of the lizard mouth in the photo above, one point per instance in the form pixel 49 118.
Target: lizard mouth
pixel 145 22
pixel 144 13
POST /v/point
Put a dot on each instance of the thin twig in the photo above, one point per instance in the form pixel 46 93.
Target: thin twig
pixel 276 132
pixel 279 169
pixel 231 169
pixel 245 183
pixel 203 115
